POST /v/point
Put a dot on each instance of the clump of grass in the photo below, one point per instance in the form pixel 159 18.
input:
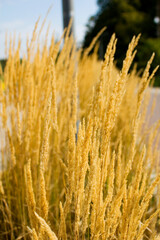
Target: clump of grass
pixel 77 157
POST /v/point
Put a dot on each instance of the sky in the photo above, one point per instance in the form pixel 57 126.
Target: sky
pixel 19 17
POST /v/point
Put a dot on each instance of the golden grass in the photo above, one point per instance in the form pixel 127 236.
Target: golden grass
pixel 75 161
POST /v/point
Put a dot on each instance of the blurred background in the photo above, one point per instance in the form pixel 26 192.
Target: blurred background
pixel 124 17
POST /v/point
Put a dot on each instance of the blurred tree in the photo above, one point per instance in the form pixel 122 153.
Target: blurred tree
pixel 126 18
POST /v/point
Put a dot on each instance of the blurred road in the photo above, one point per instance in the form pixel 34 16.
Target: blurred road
pixel 154 100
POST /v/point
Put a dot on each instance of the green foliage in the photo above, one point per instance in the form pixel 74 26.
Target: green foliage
pixel 146 48
pixel 3 63
pixel 126 18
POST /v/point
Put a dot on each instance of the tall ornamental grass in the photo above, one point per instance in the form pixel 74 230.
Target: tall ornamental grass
pixel 79 159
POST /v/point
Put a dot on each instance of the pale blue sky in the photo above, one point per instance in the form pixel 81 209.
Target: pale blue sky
pixel 19 16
